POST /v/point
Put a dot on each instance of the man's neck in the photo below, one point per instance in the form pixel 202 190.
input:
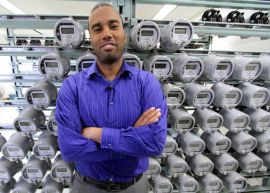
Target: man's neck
pixel 110 71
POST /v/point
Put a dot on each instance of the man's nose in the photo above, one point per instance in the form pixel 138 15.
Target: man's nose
pixel 107 33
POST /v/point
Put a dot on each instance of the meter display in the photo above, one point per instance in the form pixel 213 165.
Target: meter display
pixel 51 186
pixel 225 163
pixel 154 168
pixel 234 182
pixel 217 68
pixel 133 60
pixel 259 119
pixel 246 69
pixel 226 96
pixel 46 146
pixel 85 61
pixel 200 164
pixel 41 95
pixel 29 120
pixel 175 166
pixel 176 35
pixel 2 141
pixel 35 169
pixel 242 142
pixel 234 120
pixel 210 183
pixel 171 146
pixel 263 140
pixel 181 120
pixel 187 68
pixel 175 96
pixel 198 95
pixel 190 143
pixel 23 186
pixel 249 163
pixel 52 124
pixel 159 65
pixel 8 169
pixel 208 120
pixel 161 184
pixel 253 96
pixel 7 187
pixel 69 33
pixel 54 66
pixel 216 143
pixel 265 157
pixel 265 61
pixel 144 36
pixel 186 184
pixel 17 146
pixel 62 171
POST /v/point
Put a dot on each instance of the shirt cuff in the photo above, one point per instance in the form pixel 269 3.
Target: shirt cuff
pixel 109 138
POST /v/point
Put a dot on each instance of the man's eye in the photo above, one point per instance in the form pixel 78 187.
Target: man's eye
pixel 114 26
pixel 97 29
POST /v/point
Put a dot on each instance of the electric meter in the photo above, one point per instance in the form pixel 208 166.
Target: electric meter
pixel 186 184
pixel 249 163
pixel 171 146
pixel 212 15
pixel 225 163
pixel 20 42
pixel 8 169
pixel 85 61
pixel 29 120
pixel 263 140
pixel 175 165
pixel 181 120
pixel 208 120
pixel 2 141
pixel 69 33
pixel 133 60
pixel 234 120
pixel 200 164
pixel 265 61
pixel 242 142
pixel 7 187
pixel 41 95
pixel 259 119
pixel 161 184
pixel 210 183
pixel 265 157
pixel 226 96
pixel 259 18
pixel 234 182
pixel 52 124
pixel 236 17
pixel 49 43
pixel 144 36
pixel 187 68
pixel 51 186
pixel 23 186
pixel 176 35
pixel 35 43
pixel 190 143
pixel 154 168
pixel 198 95
pixel 54 66
pixel 175 96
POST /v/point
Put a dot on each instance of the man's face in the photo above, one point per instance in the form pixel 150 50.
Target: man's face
pixel 107 35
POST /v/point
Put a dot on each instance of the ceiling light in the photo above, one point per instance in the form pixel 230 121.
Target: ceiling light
pixel 164 11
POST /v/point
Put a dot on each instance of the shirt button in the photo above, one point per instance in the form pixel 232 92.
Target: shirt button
pixel 109 145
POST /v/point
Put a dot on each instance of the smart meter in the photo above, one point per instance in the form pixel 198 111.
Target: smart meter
pixel 236 17
pixel 263 140
pixel 246 69
pixel 2 141
pixel 85 61
pixel 187 68
pixel 217 68
pixel 234 120
pixel 159 65
pixel 68 32
pixel 216 143
pixel 62 171
pixel 133 60
pixel 253 96
pixel 54 66
pixel 242 142
pixel 29 120
pixel 52 124
pixel 190 143
pixel 265 61
pixel 144 36
pixel 175 96
pixel 186 184
pixel 265 157
pixel 8 169
pixel 210 183
pixel 208 120
pixel 41 95
pixel 17 146
pixel 259 119
pixel 51 186
pixel 161 184
pixel 212 15
pixel 7 187
pixel 46 146
pixel 171 146
pixel 176 35
pixel 249 163
pixel 154 168
pixel 198 95
pixel 175 166
pixel 200 165
pixel 181 120
pixel 259 18
pixel 225 163
pixel 234 182
pixel 226 96
pixel 23 186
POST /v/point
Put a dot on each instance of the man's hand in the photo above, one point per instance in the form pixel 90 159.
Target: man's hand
pixel 151 115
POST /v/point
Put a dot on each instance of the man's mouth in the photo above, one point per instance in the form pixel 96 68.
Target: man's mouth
pixel 108 45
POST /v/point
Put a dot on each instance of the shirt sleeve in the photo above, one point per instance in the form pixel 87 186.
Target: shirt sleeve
pixel 73 146
pixel 148 140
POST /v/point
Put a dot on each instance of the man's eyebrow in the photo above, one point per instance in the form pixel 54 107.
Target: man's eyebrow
pixel 110 22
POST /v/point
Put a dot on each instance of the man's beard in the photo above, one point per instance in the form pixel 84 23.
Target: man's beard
pixel 109 59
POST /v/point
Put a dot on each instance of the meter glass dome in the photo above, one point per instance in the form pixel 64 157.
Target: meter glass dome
pixel 133 60
pixel 85 61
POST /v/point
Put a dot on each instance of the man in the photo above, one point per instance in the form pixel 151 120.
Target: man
pixel 111 117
